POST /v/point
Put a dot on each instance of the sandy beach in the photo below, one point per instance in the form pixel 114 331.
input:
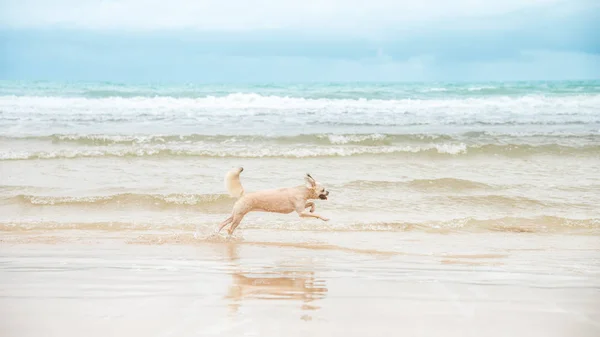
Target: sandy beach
pixel 274 283
pixel 423 168
pixel 460 209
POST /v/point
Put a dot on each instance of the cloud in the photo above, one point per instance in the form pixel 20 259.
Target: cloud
pixel 326 40
pixel 571 32
pixel 342 16
pixel 103 60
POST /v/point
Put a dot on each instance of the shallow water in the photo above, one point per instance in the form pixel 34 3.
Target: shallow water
pixel 473 156
pixel 307 283
pixel 460 209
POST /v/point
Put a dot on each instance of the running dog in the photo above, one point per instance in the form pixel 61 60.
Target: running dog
pixel 283 200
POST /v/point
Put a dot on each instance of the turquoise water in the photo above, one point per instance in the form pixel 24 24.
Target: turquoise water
pixel 383 91
pixel 43 109
pixel 475 156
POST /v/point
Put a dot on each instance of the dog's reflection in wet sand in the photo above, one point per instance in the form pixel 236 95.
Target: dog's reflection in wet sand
pixel 278 283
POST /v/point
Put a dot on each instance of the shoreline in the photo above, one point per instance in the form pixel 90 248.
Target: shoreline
pixel 271 283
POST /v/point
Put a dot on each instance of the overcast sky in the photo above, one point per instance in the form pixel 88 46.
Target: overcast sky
pixel 309 40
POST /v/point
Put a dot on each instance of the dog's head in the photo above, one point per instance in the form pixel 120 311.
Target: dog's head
pixel 317 191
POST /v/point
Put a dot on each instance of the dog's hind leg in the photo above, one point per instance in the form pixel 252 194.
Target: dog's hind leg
pixel 311 205
pixel 237 218
pixel 225 223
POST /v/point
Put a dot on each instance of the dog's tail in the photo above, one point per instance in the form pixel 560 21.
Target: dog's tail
pixel 233 183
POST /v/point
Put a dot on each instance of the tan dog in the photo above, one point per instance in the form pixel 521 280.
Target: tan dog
pixel 283 200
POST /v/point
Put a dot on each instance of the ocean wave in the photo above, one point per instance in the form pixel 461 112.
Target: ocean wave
pixel 324 139
pixel 441 150
pixel 499 201
pixel 366 139
pixel 376 139
pixel 252 103
pixel 463 121
pixel 447 184
pixel 435 194
pixel 216 202
pixel 542 224
pixel 229 153
pixel 435 89
pixel 482 88
pixel 314 90
pixel 440 184
pixel 515 224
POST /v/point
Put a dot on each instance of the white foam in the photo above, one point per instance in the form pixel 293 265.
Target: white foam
pixel 485 87
pixel 239 103
pixel 260 151
pixel 435 90
pixel 350 139
pixel 35 115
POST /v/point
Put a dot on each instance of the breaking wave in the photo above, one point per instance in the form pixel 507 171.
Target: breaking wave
pixel 440 184
pixel 256 109
pixel 373 139
pixel 542 224
pixel 130 199
pixel 255 100
pixel 433 150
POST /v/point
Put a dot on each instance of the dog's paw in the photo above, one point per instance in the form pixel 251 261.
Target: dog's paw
pixel 325 219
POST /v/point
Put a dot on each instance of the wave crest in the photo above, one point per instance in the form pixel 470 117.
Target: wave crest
pixel 254 108
pixel 439 184
pixel 446 184
pixel 376 139
pixel 440 150
pixel 130 199
pixel 542 224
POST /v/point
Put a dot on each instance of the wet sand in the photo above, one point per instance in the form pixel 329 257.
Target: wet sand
pixel 277 283
pixel 457 209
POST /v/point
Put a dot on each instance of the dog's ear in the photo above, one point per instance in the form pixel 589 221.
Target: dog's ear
pixel 310 181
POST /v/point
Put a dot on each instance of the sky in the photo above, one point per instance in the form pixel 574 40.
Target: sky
pixel 298 41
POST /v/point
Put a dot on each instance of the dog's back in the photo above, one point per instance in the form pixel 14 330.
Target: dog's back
pixel 281 200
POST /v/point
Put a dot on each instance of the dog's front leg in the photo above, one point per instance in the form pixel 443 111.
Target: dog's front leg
pixel 311 205
pixel 301 210
pixel 303 214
